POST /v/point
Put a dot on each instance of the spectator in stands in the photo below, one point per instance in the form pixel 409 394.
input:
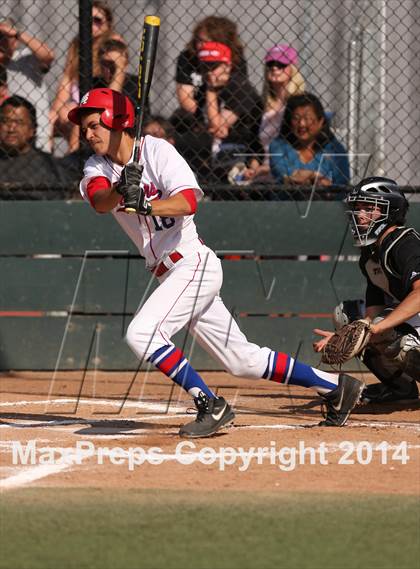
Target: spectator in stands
pixel 68 95
pixel 281 80
pixel 306 151
pixel 227 121
pixel 159 127
pixel 189 79
pixel 20 161
pixel 26 60
pixel 113 64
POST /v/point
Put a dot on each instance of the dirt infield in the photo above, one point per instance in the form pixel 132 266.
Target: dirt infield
pixel 55 432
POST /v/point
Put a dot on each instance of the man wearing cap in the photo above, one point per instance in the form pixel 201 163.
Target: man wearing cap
pixel 229 115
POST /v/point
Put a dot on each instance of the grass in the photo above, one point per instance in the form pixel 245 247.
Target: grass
pixel 91 528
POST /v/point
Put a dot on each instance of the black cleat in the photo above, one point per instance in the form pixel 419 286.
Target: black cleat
pixel 213 414
pixel 383 393
pixel 341 401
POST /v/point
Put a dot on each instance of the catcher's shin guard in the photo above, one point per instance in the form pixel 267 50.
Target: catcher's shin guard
pixel 412 364
pixel 397 391
pixel 396 384
pixel 394 356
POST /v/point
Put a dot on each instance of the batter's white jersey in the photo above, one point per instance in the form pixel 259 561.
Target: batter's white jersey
pixel 165 174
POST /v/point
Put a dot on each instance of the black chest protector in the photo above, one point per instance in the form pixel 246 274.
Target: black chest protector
pixel 388 265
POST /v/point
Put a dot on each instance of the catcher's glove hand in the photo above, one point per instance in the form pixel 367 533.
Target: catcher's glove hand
pixel 131 188
pixel 347 342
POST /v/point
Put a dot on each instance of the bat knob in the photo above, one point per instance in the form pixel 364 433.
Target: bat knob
pixel 152 20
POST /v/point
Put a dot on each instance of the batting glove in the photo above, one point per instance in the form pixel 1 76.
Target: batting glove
pixel 130 176
pixel 131 188
pixel 135 201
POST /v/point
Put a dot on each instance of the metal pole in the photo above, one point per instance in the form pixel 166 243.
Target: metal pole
pixel 360 69
pixel 351 140
pixel 85 46
pixel 382 89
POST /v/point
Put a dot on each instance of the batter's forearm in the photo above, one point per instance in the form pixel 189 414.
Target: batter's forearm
pixel 172 207
pixel 105 200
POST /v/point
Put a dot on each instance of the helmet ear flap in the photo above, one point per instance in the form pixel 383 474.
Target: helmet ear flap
pixel 117 111
pixel 115 122
pixel 107 118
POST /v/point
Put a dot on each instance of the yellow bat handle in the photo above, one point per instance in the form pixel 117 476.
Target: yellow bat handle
pixel 152 20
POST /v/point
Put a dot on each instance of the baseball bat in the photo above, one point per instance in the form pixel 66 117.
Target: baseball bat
pixel 148 48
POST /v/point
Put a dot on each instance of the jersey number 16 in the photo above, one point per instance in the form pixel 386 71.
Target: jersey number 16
pixel 163 222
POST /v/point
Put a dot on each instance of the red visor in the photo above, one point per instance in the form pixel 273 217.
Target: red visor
pixel 212 51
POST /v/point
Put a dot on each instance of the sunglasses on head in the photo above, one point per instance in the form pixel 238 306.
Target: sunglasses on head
pixel 276 65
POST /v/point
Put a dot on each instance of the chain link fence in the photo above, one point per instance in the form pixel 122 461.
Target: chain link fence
pixel 265 99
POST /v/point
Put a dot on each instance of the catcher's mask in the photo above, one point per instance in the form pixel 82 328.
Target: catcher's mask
pixel 117 111
pixel 373 205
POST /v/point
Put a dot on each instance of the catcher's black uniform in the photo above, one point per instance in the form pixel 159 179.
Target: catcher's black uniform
pixel 391 268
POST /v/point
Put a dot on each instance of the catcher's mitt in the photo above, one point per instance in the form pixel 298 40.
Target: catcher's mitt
pixel 347 342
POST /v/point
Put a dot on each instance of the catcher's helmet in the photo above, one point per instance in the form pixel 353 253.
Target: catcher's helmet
pixel 381 193
pixel 117 109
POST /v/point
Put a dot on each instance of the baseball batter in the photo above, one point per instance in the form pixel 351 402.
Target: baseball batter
pixel 166 193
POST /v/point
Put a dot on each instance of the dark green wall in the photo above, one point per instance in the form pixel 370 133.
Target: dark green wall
pixel 52 250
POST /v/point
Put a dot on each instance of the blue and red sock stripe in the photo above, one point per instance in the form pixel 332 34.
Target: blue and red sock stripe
pixel 171 362
pixel 277 367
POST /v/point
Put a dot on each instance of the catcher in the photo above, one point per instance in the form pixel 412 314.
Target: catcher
pixel 384 331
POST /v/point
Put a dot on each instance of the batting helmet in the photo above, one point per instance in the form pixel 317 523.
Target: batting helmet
pixel 117 109
pixel 382 193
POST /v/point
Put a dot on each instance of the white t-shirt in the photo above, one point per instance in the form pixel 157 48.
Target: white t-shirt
pixel 270 127
pixel 165 174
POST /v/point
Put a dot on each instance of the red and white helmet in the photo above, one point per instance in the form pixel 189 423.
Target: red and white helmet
pixel 117 109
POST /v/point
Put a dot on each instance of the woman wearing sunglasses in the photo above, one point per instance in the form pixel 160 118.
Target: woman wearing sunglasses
pixel 282 79
pixel 67 95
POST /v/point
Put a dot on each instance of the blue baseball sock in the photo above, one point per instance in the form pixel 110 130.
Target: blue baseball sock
pixel 282 368
pixel 172 362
